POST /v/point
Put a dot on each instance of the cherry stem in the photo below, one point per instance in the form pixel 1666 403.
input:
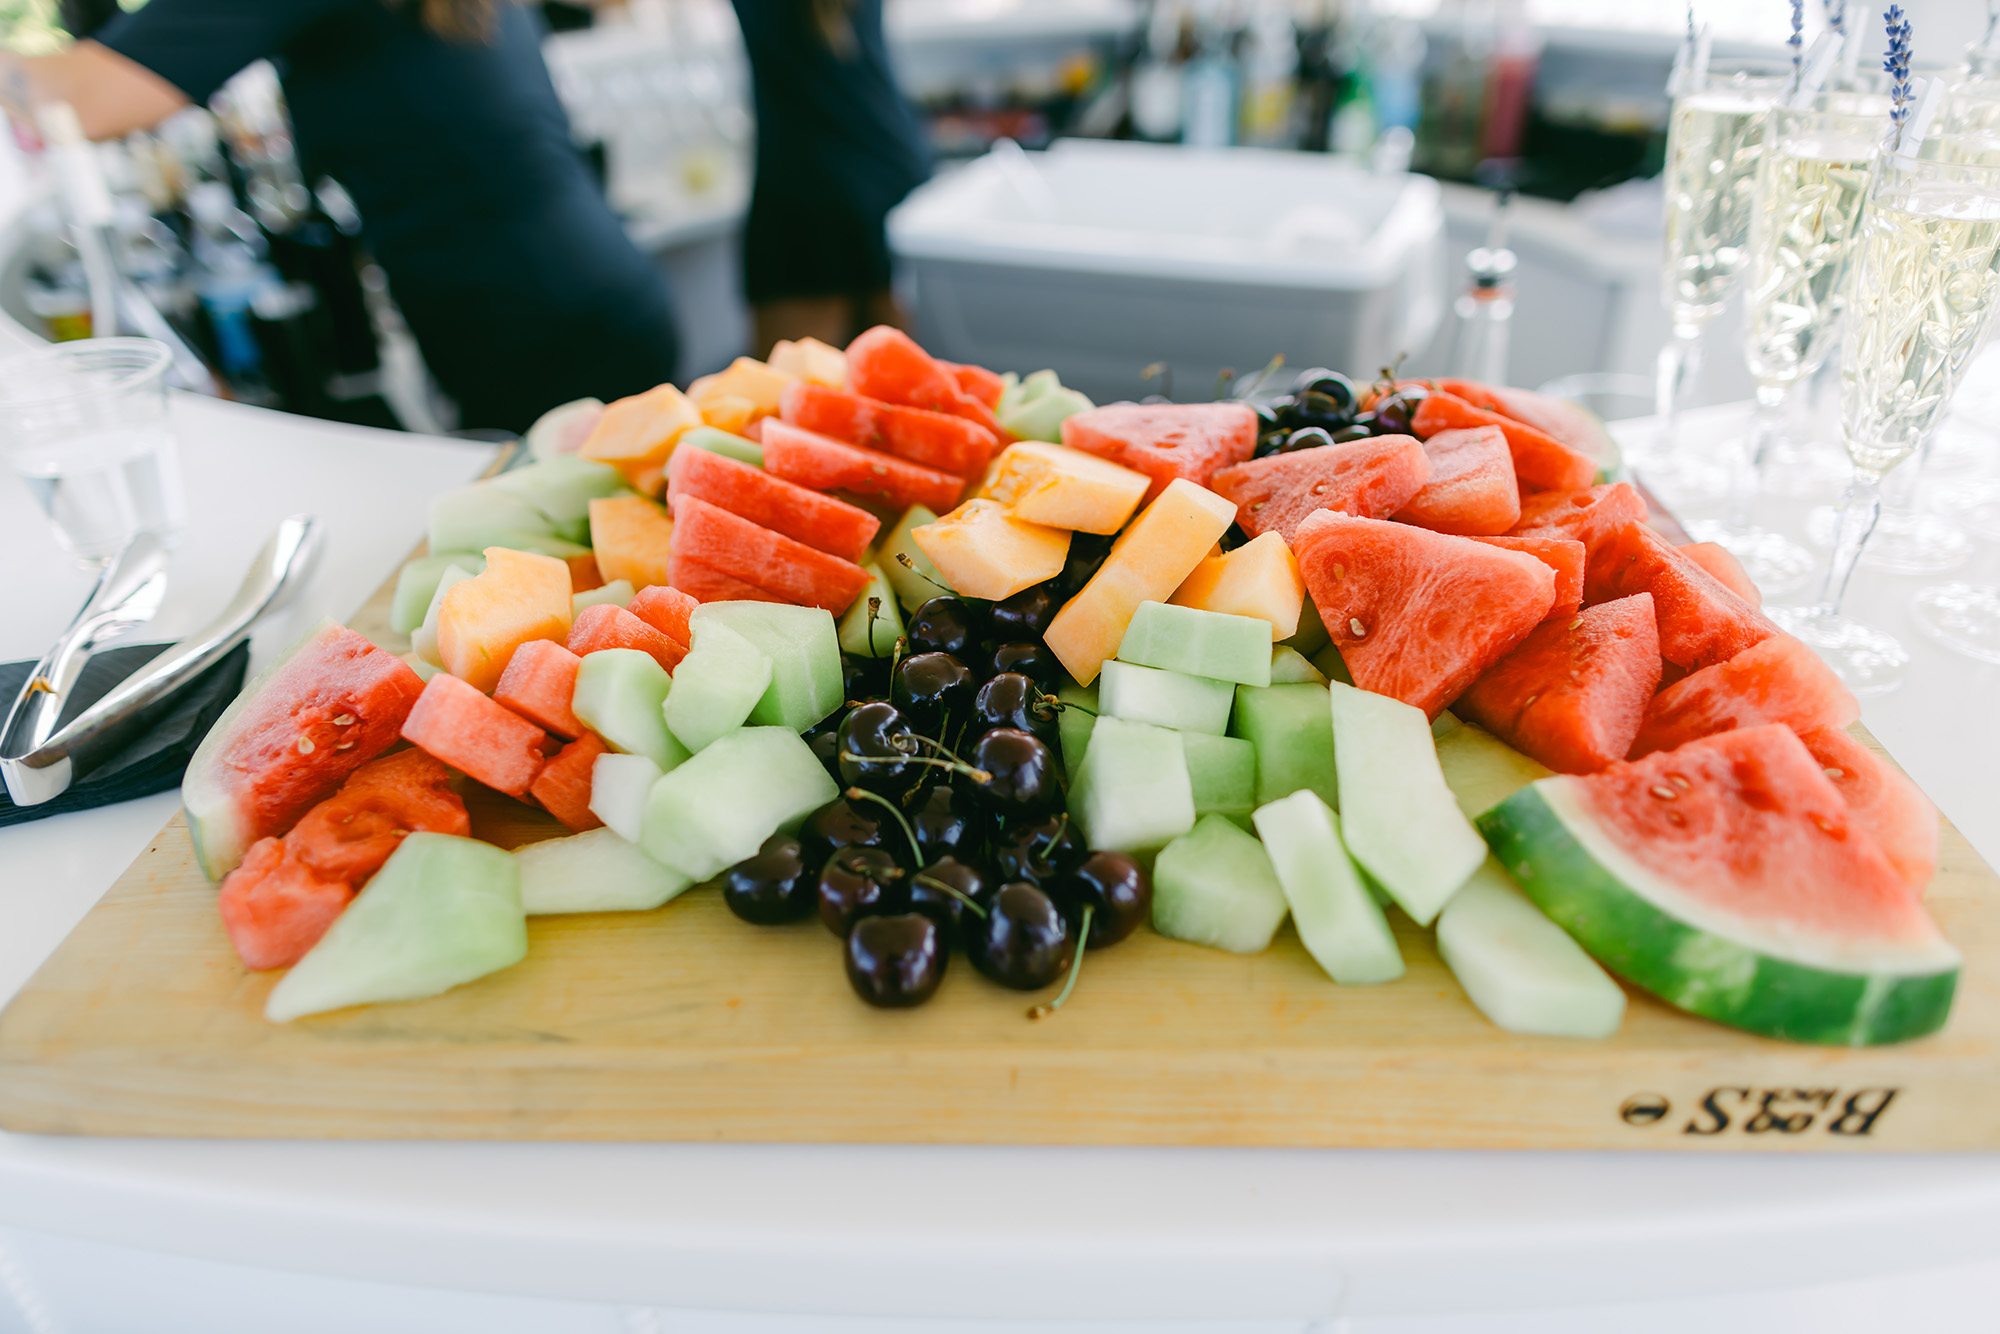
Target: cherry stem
pixel 1055 837
pixel 1075 967
pixel 864 794
pixel 903 559
pixel 1057 702
pixel 932 882
pixel 976 775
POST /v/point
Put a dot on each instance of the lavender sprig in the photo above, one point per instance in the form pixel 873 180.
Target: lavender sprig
pixel 1836 16
pixel 1897 66
pixel 1797 41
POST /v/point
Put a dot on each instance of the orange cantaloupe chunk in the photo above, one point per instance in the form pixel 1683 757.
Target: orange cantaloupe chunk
pixel 729 412
pixel 632 538
pixel 745 378
pixel 1064 488
pixel 811 360
pixel 1260 579
pixel 636 435
pixel 984 550
pixel 518 597
pixel 1154 557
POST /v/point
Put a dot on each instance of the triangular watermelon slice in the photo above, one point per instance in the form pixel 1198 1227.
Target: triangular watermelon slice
pixel 1418 615
pixel 1882 800
pixel 1563 555
pixel 1541 462
pixel 756 555
pixel 1592 515
pixel 1577 427
pixel 1701 622
pixel 1728 878
pixel 1166 440
pixel 1371 479
pixel 1574 693
pixel 1728 571
pixel 1777 681
pixel 1471 490
pixel 887 363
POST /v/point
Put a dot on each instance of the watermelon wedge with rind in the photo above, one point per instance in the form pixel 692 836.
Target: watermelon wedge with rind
pixel 332 703
pixel 1765 907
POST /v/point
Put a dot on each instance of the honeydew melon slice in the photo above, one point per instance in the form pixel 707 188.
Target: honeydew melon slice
pixel 475 517
pixel 619 786
pixel 595 871
pixel 417 582
pixel 1223 773
pixel 1293 732
pixel 914 586
pixel 1480 769
pixel 1403 825
pixel 562 428
pixel 561 490
pixel 716 685
pixel 1289 667
pixel 1073 725
pixel 874 623
pixel 621 694
pixel 721 805
pixel 1339 922
pixel 1522 970
pixel 424 640
pixel 1200 643
pixel 1165 699
pixel 718 441
pixel 1214 886
pixel 442 911
pixel 616 593
pixel 1132 792
pixel 803 645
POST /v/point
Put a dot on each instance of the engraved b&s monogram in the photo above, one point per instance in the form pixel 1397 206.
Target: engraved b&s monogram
pixel 1780 1111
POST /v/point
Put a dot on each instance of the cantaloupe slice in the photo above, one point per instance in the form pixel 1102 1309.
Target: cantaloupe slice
pixel 632 538
pixel 1064 488
pixel 728 412
pixel 518 597
pixel 811 360
pixel 636 435
pixel 745 378
pixel 1259 578
pixel 984 550
pixel 1152 559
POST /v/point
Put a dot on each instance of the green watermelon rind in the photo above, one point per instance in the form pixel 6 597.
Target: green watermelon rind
pixel 1620 915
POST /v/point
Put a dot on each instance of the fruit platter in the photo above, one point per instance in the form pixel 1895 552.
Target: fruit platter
pixel 861 746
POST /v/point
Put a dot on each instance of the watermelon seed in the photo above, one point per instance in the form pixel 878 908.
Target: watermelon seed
pixel 1824 825
pixel 1679 781
pixel 305 745
pixel 1664 793
pixel 1319 488
pixel 345 745
pixel 1832 772
pixel 1256 506
pixel 1675 817
pixel 344 720
pixel 1356 628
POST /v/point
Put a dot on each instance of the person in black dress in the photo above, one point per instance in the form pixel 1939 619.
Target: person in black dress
pixel 439 118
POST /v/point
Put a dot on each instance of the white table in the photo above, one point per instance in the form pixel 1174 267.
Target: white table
pixel 220 1237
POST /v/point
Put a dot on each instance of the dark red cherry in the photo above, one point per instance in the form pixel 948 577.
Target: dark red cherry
pixel 858 883
pixel 1116 887
pixel 1023 941
pixel 772 886
pixel 896 961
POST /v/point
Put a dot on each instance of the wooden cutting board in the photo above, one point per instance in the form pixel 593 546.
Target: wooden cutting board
pixel 686 1024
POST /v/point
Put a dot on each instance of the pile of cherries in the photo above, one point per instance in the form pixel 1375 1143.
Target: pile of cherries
pixel 1323 408
pixel 952 829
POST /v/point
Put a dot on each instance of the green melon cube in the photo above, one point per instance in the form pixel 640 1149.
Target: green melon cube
pixel 1293 734
pixel 616 593
pixel 1223 772
pixel 619 786
pixel 914 586
pixel 1480 769
pixel 547 544
pixel 716 685
pixel 1132 792
pixel 1201 643
pixel 721 805
pixel 1073 725
pixel 1289 667
pixel 595 871
pixel 417 583
pixel 718 441
pixel 562 488
pixel 1311 635
pixel 475 517
pixel 1332 665
pixel 1165 699
pixel 424 640
pixel 874 623
pixel 1339 922
pixel 1523 971
pixel 621 695
pixel 804 648
pixel 441 912
pixel 1403 825
pixel 1214 886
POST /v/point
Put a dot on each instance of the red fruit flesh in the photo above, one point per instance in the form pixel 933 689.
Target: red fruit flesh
pixel 886 363
pixel 704 584
pixel 1166 440
pixel 1370 479
pixel 482 740
pixel 982 384
pixel 819 521
pixel 1728 571
pixel 1563 555
pixel 1701 622
pixel 605 626
pixel 826 464
pixel 1882 800
pixel 1541 462
pixel 1471 491
pixel 563 785
pixel 933 440
pixel 1592 515
pixel 667 610
pixel 1777 681
pixel 538 684
pixel 771 561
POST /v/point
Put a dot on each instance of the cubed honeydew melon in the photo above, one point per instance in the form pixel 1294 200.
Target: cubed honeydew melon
pixel 1290 668
pixel 1034 408
pixel 984 550
pixel 1064 488
pixel 1480 769
pixel 918 581
pixel 1215 886
pixel 1403 825
pixel 1259 579
pixel 1339 921
pixel 1074 723
pixel 1132 792
pixel 595 871
pixel 475 517
pixel 1223 773
pixel 803 645
pixel 1208 644
pixel 616 593
pixel 417 583
pixel 1165 699
pixel 1332 665
pixel 716 685
pixel 561 489
pixel 871 627
pixel 558 432
pixel 1311 636
pixel 442 911
pixel 424 670
pixel 724 443
pixel 424 639
pixel 619 786
pixel 721 805
pixel 1293 732
pixel 621 694
pixel 1522 970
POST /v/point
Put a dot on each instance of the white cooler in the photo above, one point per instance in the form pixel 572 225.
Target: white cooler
pixel 1098 258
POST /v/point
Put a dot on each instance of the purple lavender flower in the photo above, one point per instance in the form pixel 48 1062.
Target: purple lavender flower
pixel 1897 66
pixel 1836 16
pixel 1797 40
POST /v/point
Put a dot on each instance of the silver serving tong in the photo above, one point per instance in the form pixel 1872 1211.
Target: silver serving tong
pixel 39 762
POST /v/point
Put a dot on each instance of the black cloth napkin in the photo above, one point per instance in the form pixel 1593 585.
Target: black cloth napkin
pixel 154 761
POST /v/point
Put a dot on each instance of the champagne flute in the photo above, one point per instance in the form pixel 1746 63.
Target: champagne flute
pixel 1926 275
pixel 1714 140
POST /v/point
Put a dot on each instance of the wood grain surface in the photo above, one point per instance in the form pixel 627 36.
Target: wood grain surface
pixel 686 1024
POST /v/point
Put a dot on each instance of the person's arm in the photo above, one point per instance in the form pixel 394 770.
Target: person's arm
pixel 112 95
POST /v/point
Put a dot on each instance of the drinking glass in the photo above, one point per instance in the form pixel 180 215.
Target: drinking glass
pixel 1714 140
pixel 84 424
pixel 1926 274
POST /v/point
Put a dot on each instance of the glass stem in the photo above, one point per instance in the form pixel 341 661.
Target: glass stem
pixel 1899 486
pixel 1860 506
pixel 1679 360
pixel 1767 427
